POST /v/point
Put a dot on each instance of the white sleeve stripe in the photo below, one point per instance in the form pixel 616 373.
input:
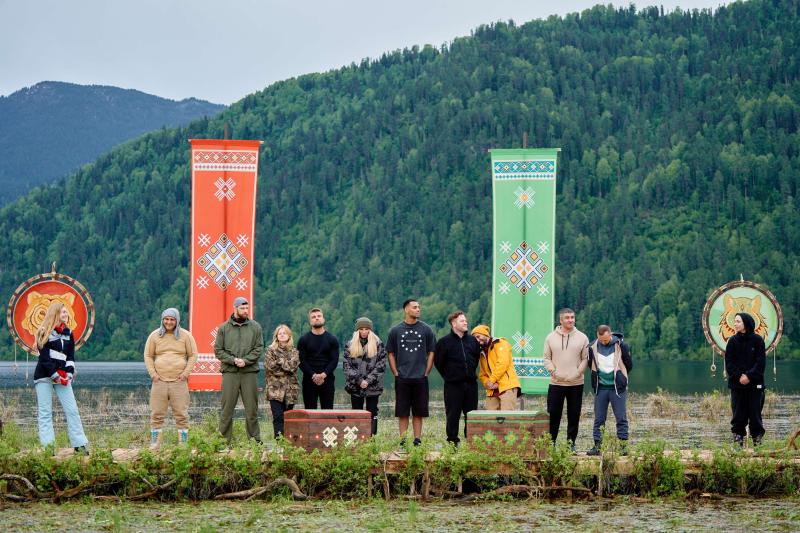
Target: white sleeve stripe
pixel 70 363
pixel 55 354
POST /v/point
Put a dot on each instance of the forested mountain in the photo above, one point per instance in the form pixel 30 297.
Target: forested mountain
pixel 679 170
pixel 48 130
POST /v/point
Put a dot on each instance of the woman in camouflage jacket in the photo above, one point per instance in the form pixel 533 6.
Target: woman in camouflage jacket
pixel 364 365
pixel 281 364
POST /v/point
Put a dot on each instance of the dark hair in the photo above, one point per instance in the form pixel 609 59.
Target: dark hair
pixel 564 311
pixel 314 310
pixel 405 304
pixel 602 328
pixel 452 316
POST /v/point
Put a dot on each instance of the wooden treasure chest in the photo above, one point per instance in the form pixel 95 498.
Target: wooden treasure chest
pixel 512 427
pixel 326 429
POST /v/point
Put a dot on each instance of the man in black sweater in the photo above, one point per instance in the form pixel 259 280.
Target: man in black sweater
pixel 456 358
pixel 319 355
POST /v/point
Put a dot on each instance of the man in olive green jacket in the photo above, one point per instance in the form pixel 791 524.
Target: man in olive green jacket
pixel 239 345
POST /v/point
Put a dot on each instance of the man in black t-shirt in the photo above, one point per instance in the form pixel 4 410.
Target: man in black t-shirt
pixel 410 347
pixel 319 355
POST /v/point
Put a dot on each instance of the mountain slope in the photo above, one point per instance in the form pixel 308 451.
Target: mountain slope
pixel 50 129
pixel 679 170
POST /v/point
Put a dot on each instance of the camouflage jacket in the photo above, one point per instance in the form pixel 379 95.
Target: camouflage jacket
pixel 281 366
pixel 359 368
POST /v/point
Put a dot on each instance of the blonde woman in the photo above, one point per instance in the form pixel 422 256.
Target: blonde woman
pixel 281 364
pixel 364 366
pixel 54 372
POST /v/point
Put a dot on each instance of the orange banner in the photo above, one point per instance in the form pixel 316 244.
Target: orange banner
pixel 224 175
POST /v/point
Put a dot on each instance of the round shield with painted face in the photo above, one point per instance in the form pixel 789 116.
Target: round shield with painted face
pixel 741 297
pixel 29 303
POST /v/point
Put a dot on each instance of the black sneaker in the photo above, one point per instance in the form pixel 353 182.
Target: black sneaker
pixel 403 442
pixel 594 451
pixel 417 442
pixel 81 450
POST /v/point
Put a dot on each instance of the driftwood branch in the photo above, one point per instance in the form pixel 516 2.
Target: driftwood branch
pixel 792 445
pixel 249 494
pixel 23 483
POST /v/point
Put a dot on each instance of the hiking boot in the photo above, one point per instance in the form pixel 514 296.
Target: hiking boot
pixel 403 442
pixel 595 449
pixel 417 441
pixel 81 450
pixel 572 447
pixel 738 439
pixel 757 440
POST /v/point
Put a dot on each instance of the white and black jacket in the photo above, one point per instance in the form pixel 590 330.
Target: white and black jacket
pixel 58 353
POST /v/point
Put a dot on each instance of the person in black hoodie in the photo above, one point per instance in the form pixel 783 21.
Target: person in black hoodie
pixel 745 359
pixel 456 358
pixel 54 372
pixel 319 357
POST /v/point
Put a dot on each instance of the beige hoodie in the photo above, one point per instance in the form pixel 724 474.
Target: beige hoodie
pixel 566 356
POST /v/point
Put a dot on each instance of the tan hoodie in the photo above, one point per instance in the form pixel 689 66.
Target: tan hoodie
pixel 566 356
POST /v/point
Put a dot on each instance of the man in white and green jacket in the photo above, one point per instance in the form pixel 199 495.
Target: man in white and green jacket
pixel 610 361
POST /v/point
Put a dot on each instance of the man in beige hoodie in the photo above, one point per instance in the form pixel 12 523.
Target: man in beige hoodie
pixel 169 355
pixel 566 354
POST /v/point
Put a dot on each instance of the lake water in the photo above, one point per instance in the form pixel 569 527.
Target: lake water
pixel 679 377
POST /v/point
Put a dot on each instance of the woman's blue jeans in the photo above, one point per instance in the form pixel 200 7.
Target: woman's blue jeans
pixel 44 399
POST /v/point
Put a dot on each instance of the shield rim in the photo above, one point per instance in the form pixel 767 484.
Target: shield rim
pixel 50 276
pixel 732 285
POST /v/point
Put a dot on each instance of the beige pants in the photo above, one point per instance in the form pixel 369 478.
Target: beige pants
pixel 165 394
pixel 507 401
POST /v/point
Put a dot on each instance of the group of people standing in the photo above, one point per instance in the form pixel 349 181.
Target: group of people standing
pixel 462 357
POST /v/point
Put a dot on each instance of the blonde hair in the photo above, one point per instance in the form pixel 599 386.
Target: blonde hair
pixel 275 342
pixel 370 349
pixel 51 318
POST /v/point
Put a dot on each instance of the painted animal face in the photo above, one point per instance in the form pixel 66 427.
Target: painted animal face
pixel 741 304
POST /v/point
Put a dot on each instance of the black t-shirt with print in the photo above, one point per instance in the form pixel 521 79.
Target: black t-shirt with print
pixel 411 344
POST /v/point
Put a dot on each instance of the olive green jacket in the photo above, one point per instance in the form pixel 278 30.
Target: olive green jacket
pixel 245 340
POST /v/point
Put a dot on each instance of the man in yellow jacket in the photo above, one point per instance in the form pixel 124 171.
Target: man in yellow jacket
pixel 497 371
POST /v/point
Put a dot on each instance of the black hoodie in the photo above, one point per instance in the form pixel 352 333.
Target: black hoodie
pixel 745 354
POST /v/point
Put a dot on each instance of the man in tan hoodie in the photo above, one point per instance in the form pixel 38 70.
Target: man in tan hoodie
pixel 169 355
pixel 566 354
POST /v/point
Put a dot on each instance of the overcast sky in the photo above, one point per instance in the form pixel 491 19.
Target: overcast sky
pixel 223 50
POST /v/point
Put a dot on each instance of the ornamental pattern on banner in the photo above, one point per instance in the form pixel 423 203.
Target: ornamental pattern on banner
pixel 224 175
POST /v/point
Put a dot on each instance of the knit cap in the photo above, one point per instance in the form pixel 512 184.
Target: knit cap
pixel 363 322
pixel 481 329
pixel 171 311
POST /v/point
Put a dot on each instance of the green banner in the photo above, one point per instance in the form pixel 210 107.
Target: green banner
pixel 523 270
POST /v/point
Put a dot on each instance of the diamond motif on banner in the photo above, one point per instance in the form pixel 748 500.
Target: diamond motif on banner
pixel 543 247
pixel 543 290
pixel 525 197
pixel 203 239
pixel 350 435
pixel 223 262
pixel 242 240
pixel 202 282
pixel 241 284
pixel 225 189
pixel 504 287
pixel 528 367
pixel 522 342
pixel 330 437
pixel 524 268
pixel 505 247
pixel 214 336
